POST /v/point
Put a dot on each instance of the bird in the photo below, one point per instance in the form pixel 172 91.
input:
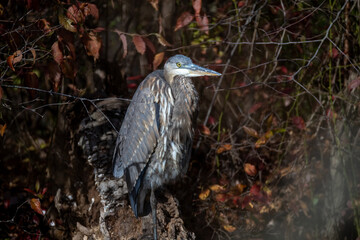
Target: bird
pixel 153 146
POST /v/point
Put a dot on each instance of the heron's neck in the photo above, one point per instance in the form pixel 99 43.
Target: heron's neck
pixel 169 77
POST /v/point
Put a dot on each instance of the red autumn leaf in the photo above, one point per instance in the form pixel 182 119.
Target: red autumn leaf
pixel 184 19
pixel 15 58
pixel 149 44
pixel 90 9
pixel 245 201
pixel 197 6
pixel 57 52
pixel 255 190
pixel 139 44
pixel 283 69
pixel 36 205
pixel 241 4
pixel 354 84
pixel 334 53
pixel 158 60
pixel 92 43
pixel 211 120
pixel 203 23
pixel 255 107
pixel 75 14
pixel 298 122
pixel 67 40
pixel 123 40
pixel 250 169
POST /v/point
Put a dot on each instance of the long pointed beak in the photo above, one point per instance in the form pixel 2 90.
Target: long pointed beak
pixel 197 71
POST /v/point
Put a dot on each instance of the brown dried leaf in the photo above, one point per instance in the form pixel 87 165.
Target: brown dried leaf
pixel 44 25
pixel 223 148
pixel 36 205
pixel 9 61
pixel 31 80
pixel 139 44
pixel 229 228
pixel 17 56
pixel 149 44
pixel 92 43
pixel 221 197
pixel 184 19
pixel 197 6
pixel 33 52
pixel 158 60
pixel 250 169
pixel 298 122
pixel 124 43
pixel 2 129
pixel 240 187
pixel 260 141
pixel 57 52
pixel 155 4
pixel 162 40
pixel 205 130
pixel 204 194
pixel 217 188
pixel 90 9
pixel 250 131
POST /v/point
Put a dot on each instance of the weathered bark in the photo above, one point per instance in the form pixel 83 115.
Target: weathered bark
pixel 117 221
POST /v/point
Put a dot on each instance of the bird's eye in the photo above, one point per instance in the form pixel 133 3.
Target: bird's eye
pixel 178 64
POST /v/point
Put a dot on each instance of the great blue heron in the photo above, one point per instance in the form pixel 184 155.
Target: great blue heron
pixel 154 142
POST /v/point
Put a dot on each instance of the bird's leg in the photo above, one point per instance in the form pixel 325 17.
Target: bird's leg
pixel 153 209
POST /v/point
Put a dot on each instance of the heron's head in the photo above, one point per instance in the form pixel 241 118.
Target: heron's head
pixel 179 65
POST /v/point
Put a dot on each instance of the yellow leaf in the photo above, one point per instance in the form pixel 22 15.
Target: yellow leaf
pixel 260 141
pixel 2 129
pixel 157 60
pixel 240 187
pixel 204 194
pixel 229 228
pixel 216 188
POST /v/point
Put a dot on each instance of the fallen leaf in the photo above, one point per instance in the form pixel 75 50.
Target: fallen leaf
pixel 217 188
pixel 139 44
pixel 250 131
pixel 184 19
pixel 240 187
pixel 9 61
pixel 221 197
pixel 36 205
pixel 250 169
pixel 205 130
pixel 229 228
pixel 223 148
pixel 204 194
pixel 2 129
pixel 158 60
pixel 260 141
pixel 255 107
